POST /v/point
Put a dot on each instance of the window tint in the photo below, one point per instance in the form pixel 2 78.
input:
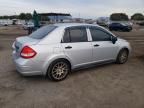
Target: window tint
pixel 42 32
pixel 76 34
pixel 99 35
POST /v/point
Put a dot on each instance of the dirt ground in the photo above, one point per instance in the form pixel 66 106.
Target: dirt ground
pixel 107 86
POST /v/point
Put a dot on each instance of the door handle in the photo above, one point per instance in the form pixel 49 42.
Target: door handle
pixel 68 47
pixel 96 45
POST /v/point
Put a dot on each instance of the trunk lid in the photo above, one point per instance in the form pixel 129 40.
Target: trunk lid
pixel 23 41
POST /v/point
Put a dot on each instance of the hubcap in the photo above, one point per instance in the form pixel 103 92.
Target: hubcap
pixel 123 57
pixel 59 70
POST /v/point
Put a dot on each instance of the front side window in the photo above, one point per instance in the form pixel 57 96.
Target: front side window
pixel 99 35
pixel 75 34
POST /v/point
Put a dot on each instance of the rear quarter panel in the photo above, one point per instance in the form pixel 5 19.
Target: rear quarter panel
pixel 46 54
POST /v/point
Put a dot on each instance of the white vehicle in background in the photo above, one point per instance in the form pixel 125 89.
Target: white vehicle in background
pixel 103 21
pixel 28 25
pixel 4 24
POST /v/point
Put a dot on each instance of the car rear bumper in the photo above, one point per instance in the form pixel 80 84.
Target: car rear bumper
pixel 23 67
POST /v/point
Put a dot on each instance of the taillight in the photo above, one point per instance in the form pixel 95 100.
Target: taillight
pixel 27 52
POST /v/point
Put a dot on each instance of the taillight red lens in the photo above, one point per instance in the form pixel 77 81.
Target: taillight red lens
pixel 27 52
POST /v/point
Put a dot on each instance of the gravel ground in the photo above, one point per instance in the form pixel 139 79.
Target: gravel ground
pixel 107 86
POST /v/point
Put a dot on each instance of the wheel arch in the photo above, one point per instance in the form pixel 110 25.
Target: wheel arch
pixel 57 59
pixel 124 48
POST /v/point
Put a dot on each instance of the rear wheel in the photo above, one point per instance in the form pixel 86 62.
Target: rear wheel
pixel 122 56
pixel 58 70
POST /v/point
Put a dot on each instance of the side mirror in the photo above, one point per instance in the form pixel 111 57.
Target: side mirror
pixel 114 39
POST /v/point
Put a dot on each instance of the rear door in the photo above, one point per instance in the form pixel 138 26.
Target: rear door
pixel 103 48
pixel 76 45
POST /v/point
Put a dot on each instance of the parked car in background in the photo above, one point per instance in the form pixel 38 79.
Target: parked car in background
pixel 141 23
pixel 4 24
pixel 28 25
pixel 103 24
pixel 55 50
pixel 120 27
pixel 103 21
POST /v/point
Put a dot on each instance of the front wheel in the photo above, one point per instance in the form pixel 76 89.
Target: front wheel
pixel 58 70
pixel 122 57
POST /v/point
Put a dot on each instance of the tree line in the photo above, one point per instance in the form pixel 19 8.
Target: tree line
pixel 22 16
pixel 113 17
pixel 124 17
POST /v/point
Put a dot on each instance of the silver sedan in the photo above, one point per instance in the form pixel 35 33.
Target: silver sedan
pixel 55 50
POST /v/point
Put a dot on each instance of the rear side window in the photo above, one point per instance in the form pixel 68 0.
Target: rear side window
pixel 66 38
pixel 75 34
pixel 99 35
pixel 42 32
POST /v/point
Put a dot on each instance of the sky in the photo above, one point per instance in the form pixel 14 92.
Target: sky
pixel 77 8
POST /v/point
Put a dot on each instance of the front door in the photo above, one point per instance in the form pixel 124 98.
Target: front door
pixel 103 48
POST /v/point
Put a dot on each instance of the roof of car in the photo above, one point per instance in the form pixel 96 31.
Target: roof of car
pixel 72 24
pixel 65 25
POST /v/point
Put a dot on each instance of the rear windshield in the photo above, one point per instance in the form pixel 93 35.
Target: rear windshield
pixel 42 32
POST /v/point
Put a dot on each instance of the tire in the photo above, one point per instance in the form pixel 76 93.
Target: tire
pixel 122 56
pixel 58 70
